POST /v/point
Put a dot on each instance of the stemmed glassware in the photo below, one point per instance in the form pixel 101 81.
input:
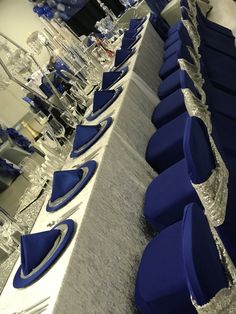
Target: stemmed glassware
pixel 10 232
pixel 59 130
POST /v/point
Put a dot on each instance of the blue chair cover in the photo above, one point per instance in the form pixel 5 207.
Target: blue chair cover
pixel 161 285
pixel 169 85
pixel 214 26
pixel 173 105
pixel 204 272
pixel 171 64
pixel 211 39
pixel 35 247
pixel 196 140
pixel 168 109
pixel 200 167
pixel 167 195
pixel 162 151
pixel 221 77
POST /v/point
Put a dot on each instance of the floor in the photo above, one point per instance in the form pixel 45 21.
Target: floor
pixel 224 13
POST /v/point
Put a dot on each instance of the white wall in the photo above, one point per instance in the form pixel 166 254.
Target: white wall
pixel 17 21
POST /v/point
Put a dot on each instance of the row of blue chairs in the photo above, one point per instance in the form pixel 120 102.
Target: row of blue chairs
pixel 191 203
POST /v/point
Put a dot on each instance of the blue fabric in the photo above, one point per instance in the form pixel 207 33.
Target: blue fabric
pixel 101 98
pixel 171 64
pixel 203 269
pixel 211 39
pixel 196 139
pixel 169 85
pixel 110 78
pixel 171 40
pixel 87 136
pixel 167 195
pixel 20 140
pixel 165 147
pixel 168 109
pixel 220 101
pixel 132 33
pixel 227 231
pixel 84 134
pixel 214 26
pixel 157 6
pixel 174 28
pixel 127 43
pixel 161 284
pixel 156 20
pixel 136 23
pixel 35 247
pixel 46 89
pixel 64 181
pixel 159 25
pixel 72 181
pixel 32 244
pixel 7 168
pixel 223 130
pixel 122 55
pixel 171 50
pixel 173 105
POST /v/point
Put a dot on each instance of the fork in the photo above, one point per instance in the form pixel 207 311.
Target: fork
pixel 32 309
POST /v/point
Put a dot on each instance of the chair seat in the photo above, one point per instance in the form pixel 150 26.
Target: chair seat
pixel 169 66
pixel 169 108
pixel 167 195
pixel 161 286
pixel 162 151
pixel 172 49
pixel 169 85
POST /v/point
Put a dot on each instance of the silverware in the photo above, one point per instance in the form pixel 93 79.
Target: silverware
pixel 39 310
pixel 92 155
pixel 65 216
pixel 32 309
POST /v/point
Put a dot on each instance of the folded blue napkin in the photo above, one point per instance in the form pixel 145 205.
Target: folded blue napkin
pixel 129 42
pixel 110 78
pixel 122 55
pixel 87 135
pixel 84 134
pixel 101 98
pixel 132 33
pixel 64 181
pixel 135 23
pixel 39 251
pixel 35 247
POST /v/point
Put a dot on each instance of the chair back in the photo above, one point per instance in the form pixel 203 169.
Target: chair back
pixel 203 269
pixel 197 150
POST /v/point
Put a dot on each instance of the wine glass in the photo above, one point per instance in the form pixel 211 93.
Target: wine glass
pixel 58 129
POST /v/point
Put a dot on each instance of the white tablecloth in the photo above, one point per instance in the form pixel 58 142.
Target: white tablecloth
pixel 146 63
pixel 97 271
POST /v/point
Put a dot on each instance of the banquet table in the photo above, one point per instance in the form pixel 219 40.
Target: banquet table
pixel 96 273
